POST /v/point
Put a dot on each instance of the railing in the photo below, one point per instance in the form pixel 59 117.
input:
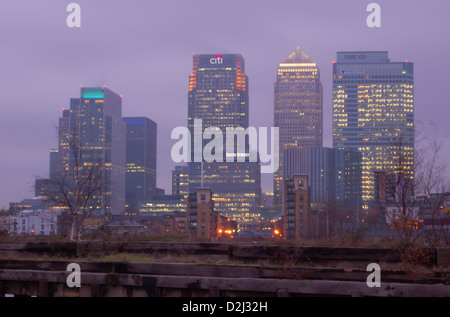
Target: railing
pixel 274 271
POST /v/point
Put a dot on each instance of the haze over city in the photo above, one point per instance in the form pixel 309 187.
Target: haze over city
pixel 143 50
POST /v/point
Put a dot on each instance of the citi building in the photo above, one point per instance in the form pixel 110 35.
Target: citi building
pixel 218 95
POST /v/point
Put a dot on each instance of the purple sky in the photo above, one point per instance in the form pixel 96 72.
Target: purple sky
pixel 143 50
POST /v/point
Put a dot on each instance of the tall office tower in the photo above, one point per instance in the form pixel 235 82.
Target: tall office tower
pixel 218 95
pixel 97 128
pixel 319 164
pixel 348 178
pixel 373 113
pixel 180 181
pixel 140 179
pixel 63 143
pixel 53 170
pixel 297 108
pixel 59 158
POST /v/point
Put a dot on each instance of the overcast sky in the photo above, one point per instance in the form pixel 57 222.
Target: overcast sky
pixel 143 50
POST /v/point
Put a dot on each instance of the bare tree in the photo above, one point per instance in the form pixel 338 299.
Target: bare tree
pixel 438 224
pixel 435 192
pixel 79 187
pixel 410 190
pixel 337 214
pixel 401 211
pixel 5 224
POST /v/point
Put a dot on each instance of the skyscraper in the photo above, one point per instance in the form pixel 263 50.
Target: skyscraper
pixel 348 177
pixel 333 174
pixel 140 177
pixel 297 108
pixel 218 95
pixel 53 170
pixel 63 143
pixel 373 113
pixel 319 165
pixel 59 158
pixel 97 129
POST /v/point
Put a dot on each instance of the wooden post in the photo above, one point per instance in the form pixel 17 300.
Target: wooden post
pixel 43 288
pixel 149 284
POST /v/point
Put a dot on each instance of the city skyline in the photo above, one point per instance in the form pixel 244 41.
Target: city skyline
pixel 37 85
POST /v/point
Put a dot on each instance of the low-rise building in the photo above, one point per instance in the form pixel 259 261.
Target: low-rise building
pixel 162 205
pixel 300 221
pixel 201 215
pixel 30 223
pixel 121 226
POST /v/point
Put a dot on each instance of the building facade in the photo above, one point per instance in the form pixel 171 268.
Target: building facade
pixel 162 205
pixel 348 177
pixel 34 223
pixel 300 222
pixel 202 218
pixel 218 95
pixel 141 140
pixel 180 181
pixel 373 113
pixel 97 132
pixel 63 143
pixel 238 190
pixel 298 108
pixel 59 158
pixel 29 204
pixel 319 164
pixel 53 168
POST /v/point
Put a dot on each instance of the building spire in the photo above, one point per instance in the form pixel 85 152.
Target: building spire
pixel 298 56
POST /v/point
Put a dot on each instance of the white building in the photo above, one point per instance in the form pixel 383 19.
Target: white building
pixel 40 222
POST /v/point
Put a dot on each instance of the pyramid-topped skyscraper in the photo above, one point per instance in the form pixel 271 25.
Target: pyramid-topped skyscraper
pixel 298 108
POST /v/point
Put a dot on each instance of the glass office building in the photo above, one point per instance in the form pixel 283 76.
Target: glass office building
pixel 63 143
pixel 97 128
pixel 218 94
pixel 334 174
pixel 348 177
pixel 141 137
pixel 180 181
pixel 319 164
pixel 297 108
pixel 237 190
pixel 53 168
pixel 59 159
pixel 373 113
pixel 162 205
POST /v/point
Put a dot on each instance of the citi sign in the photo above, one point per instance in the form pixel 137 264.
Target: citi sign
pixel 218 59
